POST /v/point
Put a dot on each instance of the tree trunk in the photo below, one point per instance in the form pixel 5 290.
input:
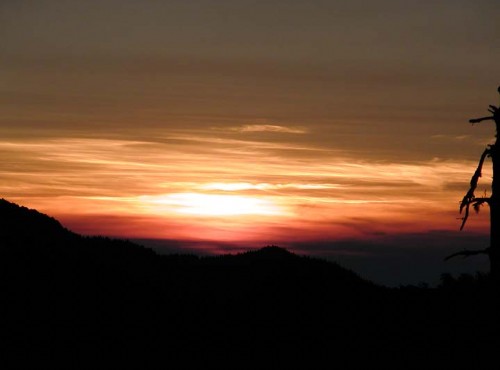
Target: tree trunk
pixel 493 202
pixel 495 215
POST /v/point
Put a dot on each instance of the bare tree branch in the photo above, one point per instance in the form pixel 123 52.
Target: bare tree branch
pixel 477 120
pixel 470 198
pixel 478 202
pixel 466 253
pixel 495 117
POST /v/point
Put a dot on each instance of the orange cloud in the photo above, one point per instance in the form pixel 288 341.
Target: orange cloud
pixel 270 128
pixel 222 195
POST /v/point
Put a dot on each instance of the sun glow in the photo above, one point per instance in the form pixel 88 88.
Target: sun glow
pixel 130 188
pixel 212 204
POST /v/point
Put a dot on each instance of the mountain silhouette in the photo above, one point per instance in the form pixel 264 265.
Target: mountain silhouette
pixel 25 227
pixel 35 235
pixel 70 298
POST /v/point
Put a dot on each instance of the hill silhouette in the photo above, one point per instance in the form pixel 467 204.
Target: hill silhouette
pixel 94 299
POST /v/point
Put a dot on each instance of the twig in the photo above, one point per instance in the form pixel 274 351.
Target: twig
pixel 477 120
pixel 466 253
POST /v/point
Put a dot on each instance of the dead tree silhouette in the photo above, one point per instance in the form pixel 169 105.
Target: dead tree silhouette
pixel 492 151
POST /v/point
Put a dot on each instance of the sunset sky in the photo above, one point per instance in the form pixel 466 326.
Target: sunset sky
pixel 335 128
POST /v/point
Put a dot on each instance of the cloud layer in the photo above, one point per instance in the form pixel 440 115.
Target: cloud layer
pixel 232 187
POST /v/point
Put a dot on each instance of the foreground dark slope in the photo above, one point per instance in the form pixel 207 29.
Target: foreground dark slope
pixel 68 296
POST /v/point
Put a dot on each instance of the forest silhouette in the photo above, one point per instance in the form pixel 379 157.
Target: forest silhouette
pixel 72 300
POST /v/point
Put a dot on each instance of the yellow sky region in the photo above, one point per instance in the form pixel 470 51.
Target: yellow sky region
pixel 198 204
pixel 171 189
